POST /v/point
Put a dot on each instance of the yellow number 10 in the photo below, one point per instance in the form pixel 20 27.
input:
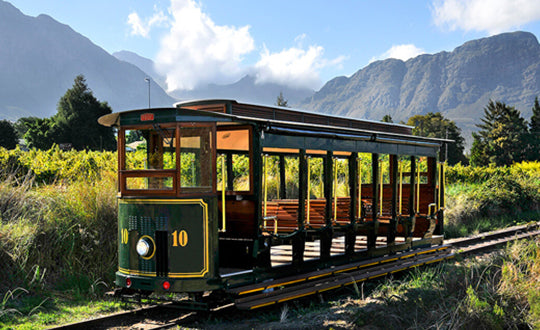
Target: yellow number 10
pixel 180 238
pixel 125 236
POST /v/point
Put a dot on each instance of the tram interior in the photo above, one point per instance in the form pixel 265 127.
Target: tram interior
pixel 330 190
pixel 280 205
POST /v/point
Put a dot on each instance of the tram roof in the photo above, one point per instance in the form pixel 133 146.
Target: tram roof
pixel 274 120
pixel 273 112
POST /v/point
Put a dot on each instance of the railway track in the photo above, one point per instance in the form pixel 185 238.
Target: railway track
pixel 153 317
pixel 490 240
pixel 281 290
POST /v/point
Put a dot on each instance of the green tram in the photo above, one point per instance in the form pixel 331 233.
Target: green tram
pixel 217 194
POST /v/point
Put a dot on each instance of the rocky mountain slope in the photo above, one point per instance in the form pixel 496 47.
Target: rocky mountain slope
pixel 459 84
pixel 40 58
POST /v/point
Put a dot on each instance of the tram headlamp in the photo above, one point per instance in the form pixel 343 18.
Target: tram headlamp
pixel 145 247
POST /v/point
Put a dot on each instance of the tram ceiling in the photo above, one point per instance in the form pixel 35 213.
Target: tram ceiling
pixel 368 143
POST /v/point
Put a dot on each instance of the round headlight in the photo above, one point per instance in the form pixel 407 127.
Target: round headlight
pixel 145 247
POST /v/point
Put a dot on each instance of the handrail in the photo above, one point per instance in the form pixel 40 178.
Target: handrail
pixel 418 187
pixel 223 187
pixel 400 186
pixel 335 189
pixel 308 189
pixel 359 188
pixel 381 187
pixel 431 209
pixel 265 183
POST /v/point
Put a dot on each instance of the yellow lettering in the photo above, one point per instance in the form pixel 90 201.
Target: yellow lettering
pixel 175 239
pixel 179 238
pixel 183 238
pixel 124 236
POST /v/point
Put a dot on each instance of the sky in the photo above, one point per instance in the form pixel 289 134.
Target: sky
pixel 297 43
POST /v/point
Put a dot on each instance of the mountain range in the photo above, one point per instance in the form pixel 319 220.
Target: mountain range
pixel 459 84
pixel 40 57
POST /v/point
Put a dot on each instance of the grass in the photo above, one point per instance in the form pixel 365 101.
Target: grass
pixel 496 291
pixel 58 250
pixel 55 311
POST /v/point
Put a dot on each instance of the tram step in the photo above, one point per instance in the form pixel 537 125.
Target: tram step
pixel 338 280
pixel 265 286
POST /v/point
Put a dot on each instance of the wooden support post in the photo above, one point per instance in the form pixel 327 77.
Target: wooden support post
pixel 350 236
pixel 282 179
pixel 439 230
pixel 261 246
pixel 327 232
pixel 300 243
pixel 391 234
pixel 412 197
pixel 372 232
pixel 230 175
pixel 432 184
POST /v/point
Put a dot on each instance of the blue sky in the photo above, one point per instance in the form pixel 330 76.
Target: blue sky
pixel 298 43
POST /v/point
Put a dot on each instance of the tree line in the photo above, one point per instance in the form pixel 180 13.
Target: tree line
pixel 504 136
pixel 74 124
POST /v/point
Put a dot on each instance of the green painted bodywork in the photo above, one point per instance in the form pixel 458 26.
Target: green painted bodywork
pixel 191 243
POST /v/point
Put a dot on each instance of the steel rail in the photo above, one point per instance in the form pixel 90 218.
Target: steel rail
pixel 148 317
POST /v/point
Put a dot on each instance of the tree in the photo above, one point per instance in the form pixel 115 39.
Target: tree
pixel 281 102
pixel 76 119
pixel 502 138
pixel 387 119
pixel 40 133
pixel 8 136
pixel 434 125
pixel 534 132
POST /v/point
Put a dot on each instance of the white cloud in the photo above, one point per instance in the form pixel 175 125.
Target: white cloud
pixel 294 67
pixel 492 16
pixel 142 27
pixel 400 52
pixel 196 50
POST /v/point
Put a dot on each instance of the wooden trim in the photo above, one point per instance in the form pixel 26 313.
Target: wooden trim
pixel 178 164
pixel 147 174
pixel 148 126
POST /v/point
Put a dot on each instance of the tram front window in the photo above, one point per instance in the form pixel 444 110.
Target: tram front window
pixel 150 149
pixel 167 159
pixel 196 158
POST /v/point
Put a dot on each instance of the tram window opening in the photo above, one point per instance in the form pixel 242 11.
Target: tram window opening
pixel 196 157
pixel 364 167
pixel 316 177
pixel 150 149
pixel 422 167
pixel 234 159
pixel 341 186
pixel 384 168
pixel 236 168
pixel 272 174
pixel 291 177
pixel 149 183
pixel 240 172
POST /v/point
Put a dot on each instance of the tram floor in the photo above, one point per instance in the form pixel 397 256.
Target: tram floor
pixel 282 254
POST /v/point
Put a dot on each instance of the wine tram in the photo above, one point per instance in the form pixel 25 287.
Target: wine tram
pixel 216 194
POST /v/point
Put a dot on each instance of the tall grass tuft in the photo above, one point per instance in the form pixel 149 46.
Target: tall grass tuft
pixel 60 235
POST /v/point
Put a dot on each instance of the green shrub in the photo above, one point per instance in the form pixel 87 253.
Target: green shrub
pixel 487 198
